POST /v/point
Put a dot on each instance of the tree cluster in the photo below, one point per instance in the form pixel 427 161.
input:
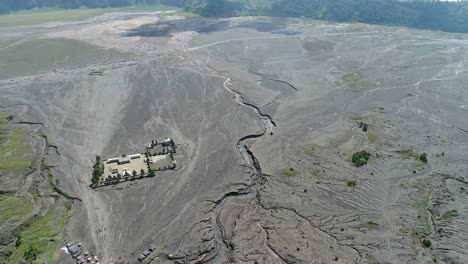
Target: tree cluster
pixel 361 158
pixel 98 170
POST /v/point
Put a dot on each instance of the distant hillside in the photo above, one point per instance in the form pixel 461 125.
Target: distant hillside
pixel 434 15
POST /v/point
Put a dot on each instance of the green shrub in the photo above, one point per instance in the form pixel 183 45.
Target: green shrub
pixel 309 151
pixel 423 157
pixel 426 243
pixel 408 152
pixel 371 225
pixel 361 158
pixel 450 214
pixel 289 172
pixel 351 183
pixel 364 127
pixel 31 254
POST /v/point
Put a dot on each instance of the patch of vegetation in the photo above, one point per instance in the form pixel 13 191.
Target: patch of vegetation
pixel 351 182
pixel 289 172
pixel 316 172
pixel 371 225
pixel 309 151
pixel 404 230
pixel 352 77
pixel 372 138
pixel 359 86
pixel 361 158
pixel 421 205
pixel 15 152
pixel 450 214
pixel 412 154
pixel 408 153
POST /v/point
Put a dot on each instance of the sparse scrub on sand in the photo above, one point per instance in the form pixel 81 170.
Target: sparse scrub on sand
pixel 309 151
pixel 412 154
pixel 408 152
pixel 450 214
pixel 371 225
pixel 361 158
pixel 289 172
pixel 351 183
pixel 421 204
pixel 372 138
pixel 404 230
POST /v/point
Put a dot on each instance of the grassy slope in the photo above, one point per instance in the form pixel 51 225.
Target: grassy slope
pixel 44 232
pixel 14 152
pixel 12 209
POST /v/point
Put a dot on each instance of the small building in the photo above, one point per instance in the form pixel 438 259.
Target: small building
pixel 123 160
pixel 164 147
pixel 73 250
pixel 113 160
pixel 167 142
pixel 135 156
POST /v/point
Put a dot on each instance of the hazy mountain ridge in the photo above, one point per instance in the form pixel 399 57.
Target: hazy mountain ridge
pixel 434 15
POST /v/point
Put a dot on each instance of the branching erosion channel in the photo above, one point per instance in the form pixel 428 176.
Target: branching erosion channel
pixel 223 246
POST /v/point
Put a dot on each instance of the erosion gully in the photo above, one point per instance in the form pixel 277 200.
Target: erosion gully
pixel 223 246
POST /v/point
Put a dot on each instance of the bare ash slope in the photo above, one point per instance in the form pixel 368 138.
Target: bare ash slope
pixel 250 99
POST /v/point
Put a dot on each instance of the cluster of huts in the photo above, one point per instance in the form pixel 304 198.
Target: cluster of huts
pixel 146 253
pixel 158 156
pixel 167 146
pixel 76 252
